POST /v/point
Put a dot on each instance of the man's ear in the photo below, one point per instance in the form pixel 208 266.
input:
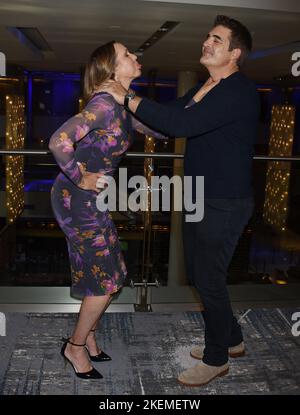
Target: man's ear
pixel 236 53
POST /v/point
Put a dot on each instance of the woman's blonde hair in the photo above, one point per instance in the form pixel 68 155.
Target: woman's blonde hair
pixel 99 68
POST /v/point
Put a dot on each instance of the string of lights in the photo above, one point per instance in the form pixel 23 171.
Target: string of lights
pixel 278 173
pixel 15 127
pixel 149 147
pixel 80 104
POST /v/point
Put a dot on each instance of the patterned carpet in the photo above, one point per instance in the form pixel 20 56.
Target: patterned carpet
pixel 148 351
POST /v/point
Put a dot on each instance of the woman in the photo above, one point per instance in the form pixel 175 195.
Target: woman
pixel 101 133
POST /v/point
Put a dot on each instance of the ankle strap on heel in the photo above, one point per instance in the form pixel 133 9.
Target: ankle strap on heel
pixel 73 344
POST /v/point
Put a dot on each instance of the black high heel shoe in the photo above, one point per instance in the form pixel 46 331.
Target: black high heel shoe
pixel 101 357
pixel 91 374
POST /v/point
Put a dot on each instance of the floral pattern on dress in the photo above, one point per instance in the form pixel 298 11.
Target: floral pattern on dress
pixel 102 134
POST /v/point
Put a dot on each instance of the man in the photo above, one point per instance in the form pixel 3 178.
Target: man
pixel 220 124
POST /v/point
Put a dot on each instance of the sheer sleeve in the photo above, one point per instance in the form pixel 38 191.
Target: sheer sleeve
pixel 144 129
pixel 98 113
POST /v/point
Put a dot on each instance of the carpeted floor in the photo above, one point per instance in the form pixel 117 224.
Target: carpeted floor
pixel 148 351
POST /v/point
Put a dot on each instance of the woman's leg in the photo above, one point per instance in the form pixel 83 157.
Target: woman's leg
pixel 91 308
pixel 91 339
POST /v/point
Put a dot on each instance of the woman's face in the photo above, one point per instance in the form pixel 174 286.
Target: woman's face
pixel 127 66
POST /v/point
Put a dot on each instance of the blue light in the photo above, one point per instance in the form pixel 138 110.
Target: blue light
pixel 39 186
pixel 52 75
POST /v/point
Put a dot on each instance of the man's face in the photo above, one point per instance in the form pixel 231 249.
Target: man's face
pixel 215 51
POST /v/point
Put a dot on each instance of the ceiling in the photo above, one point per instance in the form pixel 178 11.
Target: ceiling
pixel 74 28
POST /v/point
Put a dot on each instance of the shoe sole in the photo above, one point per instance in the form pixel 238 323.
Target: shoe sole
pixel 233 355
pixel 224 373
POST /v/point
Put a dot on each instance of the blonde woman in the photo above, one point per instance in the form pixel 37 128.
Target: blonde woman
pixel 102 135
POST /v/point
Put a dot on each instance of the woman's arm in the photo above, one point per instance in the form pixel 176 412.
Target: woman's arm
pixel 143 129
pixel 98 113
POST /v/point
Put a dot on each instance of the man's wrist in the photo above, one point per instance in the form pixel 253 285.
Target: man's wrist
pixel 127 98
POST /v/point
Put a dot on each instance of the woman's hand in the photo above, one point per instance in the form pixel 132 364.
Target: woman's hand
pixel 114 88
pixel 209 84
pixel 92 181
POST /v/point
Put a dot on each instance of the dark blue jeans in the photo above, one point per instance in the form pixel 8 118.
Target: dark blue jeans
pixel 208 248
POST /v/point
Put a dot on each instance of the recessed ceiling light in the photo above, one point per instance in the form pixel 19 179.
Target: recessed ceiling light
pixel 31 37
pixel 158 35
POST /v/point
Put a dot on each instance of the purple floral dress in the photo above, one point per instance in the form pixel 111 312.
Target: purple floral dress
pixel 102 135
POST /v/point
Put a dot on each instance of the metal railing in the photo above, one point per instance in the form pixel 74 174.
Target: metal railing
pixel 142 287
pixel 137 154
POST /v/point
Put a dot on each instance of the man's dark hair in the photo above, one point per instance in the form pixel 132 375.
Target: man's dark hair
pixel 240 36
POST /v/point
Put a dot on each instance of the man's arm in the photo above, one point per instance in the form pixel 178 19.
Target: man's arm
pixel 181 102
pixel 218 108
pixel 221 104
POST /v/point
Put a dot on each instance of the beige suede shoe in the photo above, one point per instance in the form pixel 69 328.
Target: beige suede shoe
pixel 236 351
pixel 201 374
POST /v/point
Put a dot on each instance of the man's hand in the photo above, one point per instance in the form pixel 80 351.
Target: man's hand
pixel 91 181
pixel 116 89
pixel 209 84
